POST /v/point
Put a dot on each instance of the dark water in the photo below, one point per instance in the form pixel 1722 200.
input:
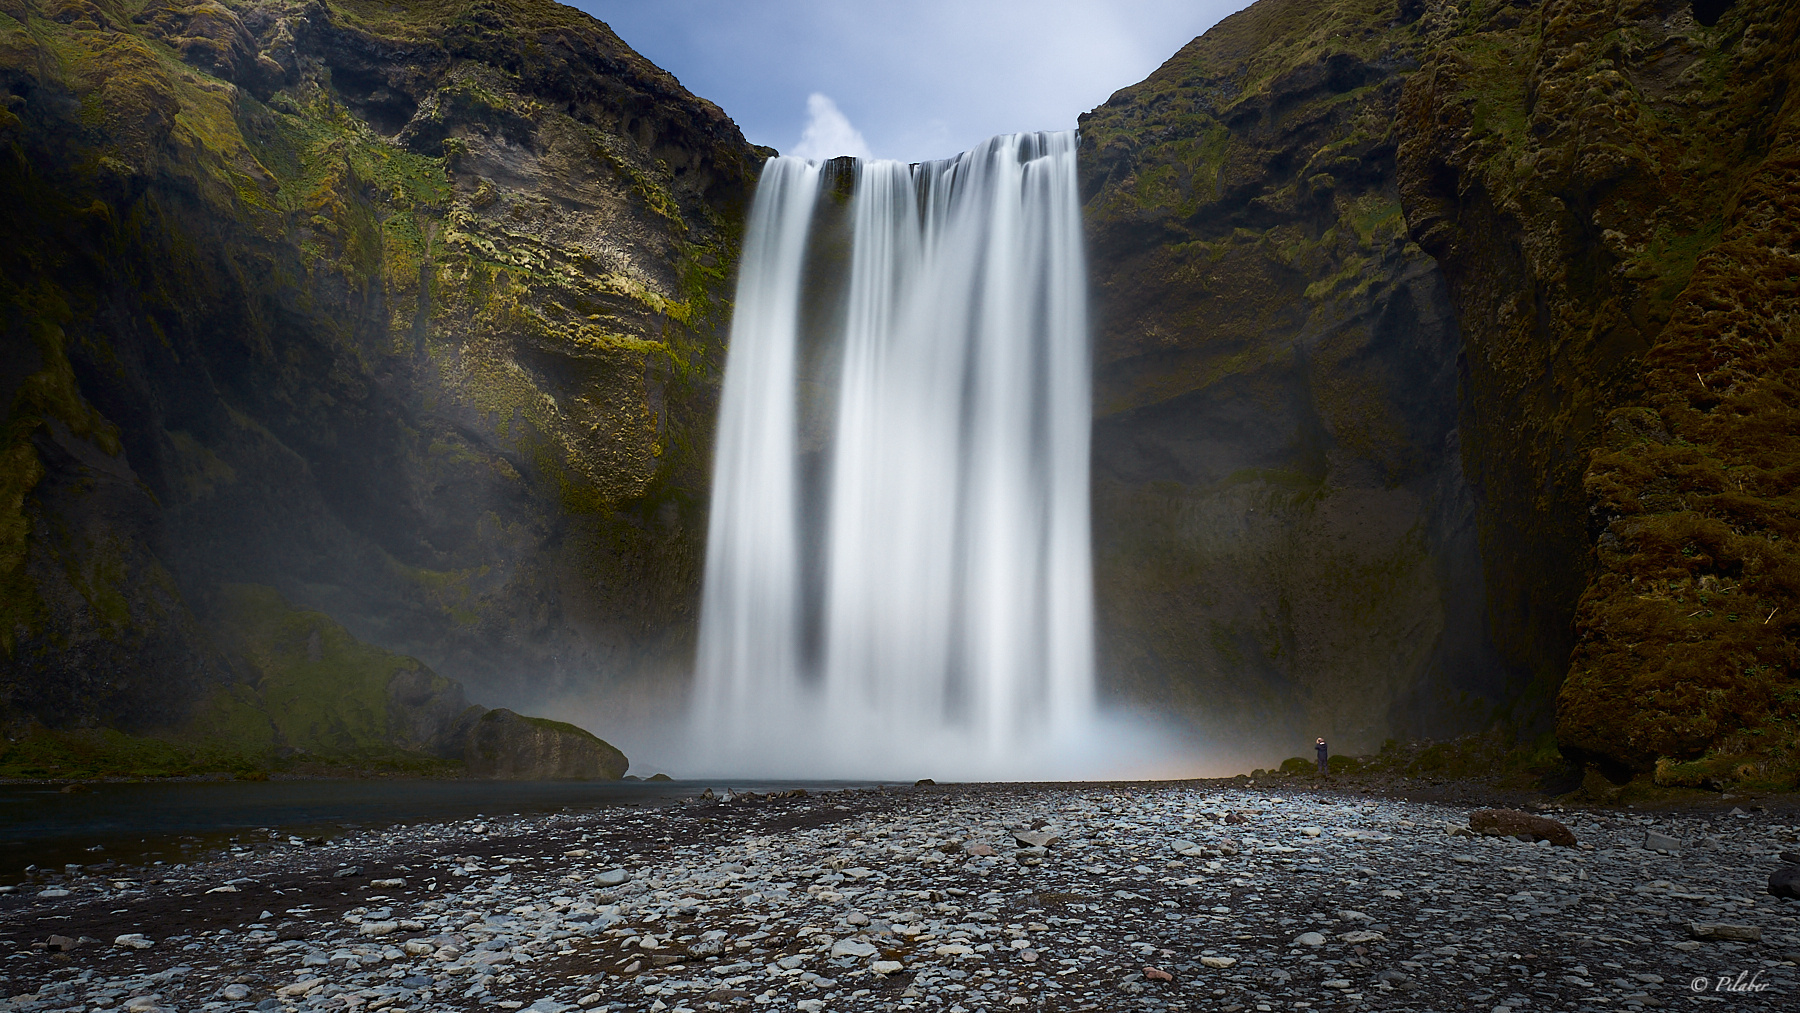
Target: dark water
pixel 42 825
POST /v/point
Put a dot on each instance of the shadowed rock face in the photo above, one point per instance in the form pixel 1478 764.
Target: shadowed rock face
pixel 1285 541
pixel 1441 375
pixel 1611 192
pixel 306 692
pixel 409 311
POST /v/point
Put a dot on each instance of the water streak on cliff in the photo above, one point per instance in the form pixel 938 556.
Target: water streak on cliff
pixel 897 573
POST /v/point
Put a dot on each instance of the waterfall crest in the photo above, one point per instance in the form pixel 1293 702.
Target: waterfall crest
pixel 897 570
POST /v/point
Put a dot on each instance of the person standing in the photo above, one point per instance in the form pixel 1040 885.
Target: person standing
pixel 1323 752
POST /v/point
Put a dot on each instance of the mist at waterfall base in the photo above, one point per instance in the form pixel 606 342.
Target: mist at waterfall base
pixel 898 577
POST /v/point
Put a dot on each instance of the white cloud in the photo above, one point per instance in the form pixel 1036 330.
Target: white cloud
pixel 828 132
pixel 926 78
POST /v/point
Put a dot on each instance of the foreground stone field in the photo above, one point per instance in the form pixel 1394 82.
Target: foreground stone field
pixel 888 900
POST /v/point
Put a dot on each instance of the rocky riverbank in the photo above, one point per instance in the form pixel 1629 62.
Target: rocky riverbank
pixel 1173 896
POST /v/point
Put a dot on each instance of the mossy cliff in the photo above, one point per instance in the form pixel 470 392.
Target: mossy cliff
pixel 1442 376
pixel 309 698
pixel 1613 192
pixel 1285 541
pixel 410 311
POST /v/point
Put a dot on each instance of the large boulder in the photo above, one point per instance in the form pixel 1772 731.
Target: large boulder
pixel 1513 823
pixel 507 745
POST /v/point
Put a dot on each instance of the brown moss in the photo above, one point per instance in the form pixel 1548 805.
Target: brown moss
pixel 1609 189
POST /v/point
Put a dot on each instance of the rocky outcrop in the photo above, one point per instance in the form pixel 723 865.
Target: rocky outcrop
pixel 410 312
pixel 502 744
pixel 307 693
pixel 1610 189
pixel 1285 539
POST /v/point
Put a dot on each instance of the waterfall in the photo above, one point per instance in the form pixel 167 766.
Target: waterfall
pixel 897 567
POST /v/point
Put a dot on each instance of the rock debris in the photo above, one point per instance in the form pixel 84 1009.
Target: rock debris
pixel 938 898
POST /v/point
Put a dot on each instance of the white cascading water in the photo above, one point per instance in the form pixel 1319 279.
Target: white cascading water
pixel 920 598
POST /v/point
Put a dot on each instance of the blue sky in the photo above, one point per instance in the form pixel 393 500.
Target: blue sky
pixel 911 80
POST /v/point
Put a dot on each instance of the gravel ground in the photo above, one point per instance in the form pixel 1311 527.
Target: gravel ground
pixel 1179 896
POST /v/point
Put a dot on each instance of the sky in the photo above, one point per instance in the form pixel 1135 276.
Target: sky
pixel 909 80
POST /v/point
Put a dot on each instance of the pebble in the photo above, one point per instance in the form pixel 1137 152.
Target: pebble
pixel 829 902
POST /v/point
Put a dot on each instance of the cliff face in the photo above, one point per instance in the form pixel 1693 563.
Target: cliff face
pixel 1442 376
pixel 1612 190
pixel 410 312
pixel 1285 540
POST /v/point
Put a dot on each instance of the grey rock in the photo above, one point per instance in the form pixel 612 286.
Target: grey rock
pixel 853 948
pixel 1654 841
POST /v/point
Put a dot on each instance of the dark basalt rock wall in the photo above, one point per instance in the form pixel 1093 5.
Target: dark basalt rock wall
pixel 1285 539
pixel 409 311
